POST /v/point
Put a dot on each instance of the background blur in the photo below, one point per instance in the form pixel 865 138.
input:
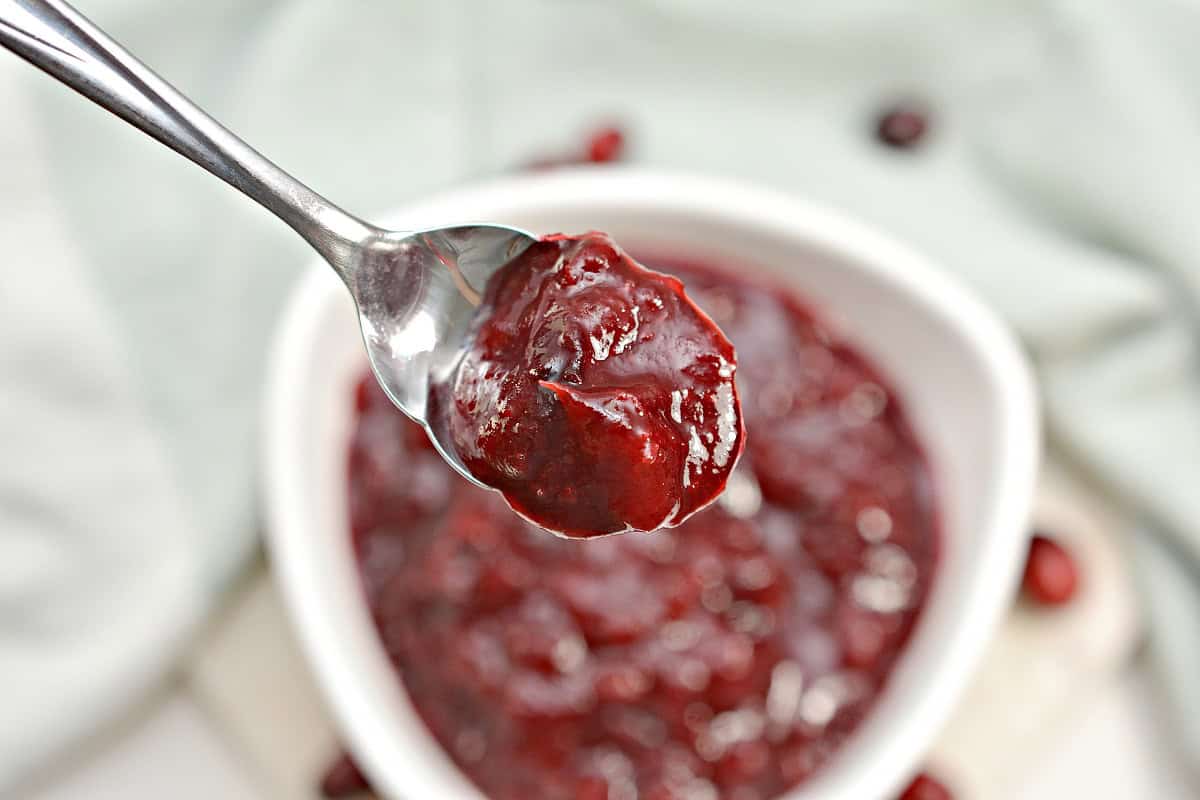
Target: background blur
pixel 142 649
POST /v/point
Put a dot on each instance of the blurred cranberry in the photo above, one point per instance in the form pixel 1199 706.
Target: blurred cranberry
pixel 924 787
pixel 363 393
pixel 343 779
pixel 605 145
pixel 1051 576
pixel 901 127
pixel 602 146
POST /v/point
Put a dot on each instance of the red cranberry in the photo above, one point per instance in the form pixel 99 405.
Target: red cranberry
pixel 343 779
pixel 901 127
pixel 605 145
pixel 924 787
pixel 1051 576
pixel 363 393
pixel 602 146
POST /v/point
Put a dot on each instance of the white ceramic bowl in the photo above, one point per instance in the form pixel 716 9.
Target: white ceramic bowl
pixel 960 375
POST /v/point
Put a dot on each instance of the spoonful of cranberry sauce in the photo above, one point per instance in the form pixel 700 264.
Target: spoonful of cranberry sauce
pixel 593 393
pixel 587 389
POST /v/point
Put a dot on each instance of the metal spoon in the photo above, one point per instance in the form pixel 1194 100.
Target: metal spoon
pixel 416 292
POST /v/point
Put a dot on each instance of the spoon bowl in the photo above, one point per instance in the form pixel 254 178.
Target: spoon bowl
pixel 417 295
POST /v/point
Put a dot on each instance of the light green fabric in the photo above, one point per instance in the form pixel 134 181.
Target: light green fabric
pixel 1061 181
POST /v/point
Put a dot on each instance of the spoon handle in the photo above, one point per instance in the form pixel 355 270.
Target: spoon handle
pixel 57 39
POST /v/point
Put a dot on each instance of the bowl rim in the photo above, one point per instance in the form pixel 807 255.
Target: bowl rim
pixel 984 599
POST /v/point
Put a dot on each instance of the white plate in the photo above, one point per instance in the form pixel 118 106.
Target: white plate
pixel 961 377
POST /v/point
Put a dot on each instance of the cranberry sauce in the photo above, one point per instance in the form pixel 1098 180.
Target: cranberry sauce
pixel 729 657
pixel 595 395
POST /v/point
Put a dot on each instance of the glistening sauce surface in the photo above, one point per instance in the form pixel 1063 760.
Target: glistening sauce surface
pixel 594 394
pixel 729 657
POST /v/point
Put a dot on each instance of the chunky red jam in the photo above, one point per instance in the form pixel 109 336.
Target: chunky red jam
pixel 594 394
pixel 727 658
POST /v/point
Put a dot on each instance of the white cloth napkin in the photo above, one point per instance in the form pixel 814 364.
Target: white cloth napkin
pixel 1061 180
